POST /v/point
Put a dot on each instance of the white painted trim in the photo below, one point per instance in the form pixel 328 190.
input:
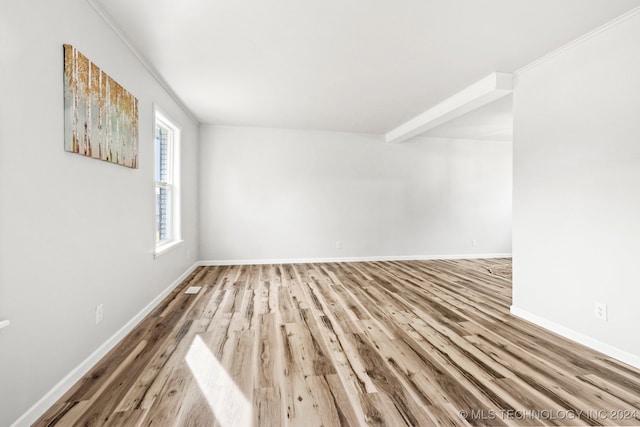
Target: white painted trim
pixel 607 349
pixel 577 41
pixel 159 116
pixel 167 247
pixel 42 405
pixel 150 68
pixel 486 90
pixel 348 259
pixel 291 129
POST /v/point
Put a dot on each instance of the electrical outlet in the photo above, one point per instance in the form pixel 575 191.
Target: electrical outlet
pixel 600 311
pixel 474 243
pixel 99 313
pixel 338 244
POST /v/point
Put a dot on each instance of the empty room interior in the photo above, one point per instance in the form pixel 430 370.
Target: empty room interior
pixel 325 213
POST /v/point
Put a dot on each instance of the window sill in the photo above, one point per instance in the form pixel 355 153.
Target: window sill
pixel 161 250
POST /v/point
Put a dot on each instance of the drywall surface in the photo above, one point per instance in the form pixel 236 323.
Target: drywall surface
pixel 74 232
pixel 577 188
pixel 273 194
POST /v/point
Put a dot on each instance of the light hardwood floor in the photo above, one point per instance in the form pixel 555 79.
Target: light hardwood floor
pixel 423 343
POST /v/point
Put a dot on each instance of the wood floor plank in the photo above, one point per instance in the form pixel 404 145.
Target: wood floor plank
pixel 398 343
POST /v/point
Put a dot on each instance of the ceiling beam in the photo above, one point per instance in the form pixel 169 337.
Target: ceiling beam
pixel 494 86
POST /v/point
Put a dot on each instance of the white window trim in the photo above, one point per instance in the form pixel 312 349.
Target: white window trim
pixel 166 247
pixel 176 217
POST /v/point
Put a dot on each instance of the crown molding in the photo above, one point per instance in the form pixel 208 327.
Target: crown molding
pixel 601 29
pixel 150 68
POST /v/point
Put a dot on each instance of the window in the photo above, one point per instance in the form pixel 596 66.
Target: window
pixel 167 178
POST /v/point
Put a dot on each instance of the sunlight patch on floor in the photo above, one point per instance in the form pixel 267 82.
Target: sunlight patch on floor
pixel 229 405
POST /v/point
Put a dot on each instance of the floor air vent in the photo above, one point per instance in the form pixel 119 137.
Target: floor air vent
pixel 500 270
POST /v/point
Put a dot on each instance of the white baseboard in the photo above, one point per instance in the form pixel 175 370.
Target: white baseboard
pixel 609 350
pixel 41 406
pixel 348 259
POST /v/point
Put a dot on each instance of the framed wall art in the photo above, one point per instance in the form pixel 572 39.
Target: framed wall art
pixel 100 116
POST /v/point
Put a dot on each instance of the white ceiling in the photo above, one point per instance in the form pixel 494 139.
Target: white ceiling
pixel 345 65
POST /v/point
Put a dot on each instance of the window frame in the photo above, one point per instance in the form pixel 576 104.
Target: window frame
pixel 172 184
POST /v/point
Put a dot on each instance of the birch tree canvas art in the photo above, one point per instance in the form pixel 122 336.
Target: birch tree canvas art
pixel 100 116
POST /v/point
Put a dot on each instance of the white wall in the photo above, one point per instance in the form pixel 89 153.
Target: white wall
pixel 74 232
pixel 576 214
pixel 286 194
